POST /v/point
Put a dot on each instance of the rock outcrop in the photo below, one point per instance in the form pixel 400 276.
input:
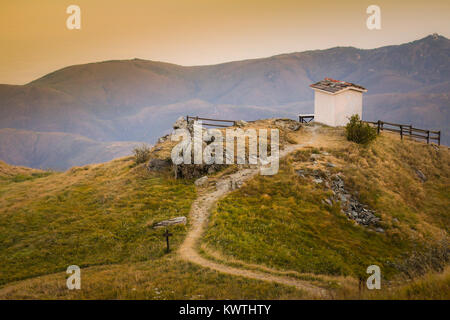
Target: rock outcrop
pixel 241 123
pixel 352 208
pixel 421 176
pixel 288 124
pixel 170 222
pixel 180 123
pixel 201 182
pixel 159 164
pixel 192 171
pixel 349 203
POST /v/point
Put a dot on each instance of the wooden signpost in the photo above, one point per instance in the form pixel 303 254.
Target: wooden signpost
pixel 167 234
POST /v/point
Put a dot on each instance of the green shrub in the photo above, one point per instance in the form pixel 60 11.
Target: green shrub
pixel 359 132
pixel 141 154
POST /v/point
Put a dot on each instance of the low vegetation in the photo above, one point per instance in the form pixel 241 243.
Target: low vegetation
pixel 141 154
pixel 359 132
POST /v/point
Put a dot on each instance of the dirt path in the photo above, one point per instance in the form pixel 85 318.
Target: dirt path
pixel 199 214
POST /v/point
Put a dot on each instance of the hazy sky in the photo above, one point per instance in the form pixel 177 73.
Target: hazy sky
pixel 35 41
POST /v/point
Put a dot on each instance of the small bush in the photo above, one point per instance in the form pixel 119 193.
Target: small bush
pixel 359 132
pixel 141 154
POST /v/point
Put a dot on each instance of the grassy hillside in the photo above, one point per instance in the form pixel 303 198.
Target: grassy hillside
pixel 99 217
pixel 10 173
pixel 163 278
pixel 432 286
pixel 283 222
pixel 99 214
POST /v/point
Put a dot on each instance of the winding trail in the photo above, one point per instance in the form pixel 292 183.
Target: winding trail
pixel 199 215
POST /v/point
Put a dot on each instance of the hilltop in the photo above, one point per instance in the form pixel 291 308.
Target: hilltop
pixel 137 100
pixel 290 235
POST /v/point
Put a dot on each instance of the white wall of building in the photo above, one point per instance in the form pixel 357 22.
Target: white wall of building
pixel 324 108
pixel 347 103
pixel 335 109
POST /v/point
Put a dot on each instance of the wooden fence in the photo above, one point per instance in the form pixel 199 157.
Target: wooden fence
pixel 214 120
pixel 408 130
pixel 305 118
pixel 402 129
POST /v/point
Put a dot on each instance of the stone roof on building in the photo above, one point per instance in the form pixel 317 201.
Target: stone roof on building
pixel 334 86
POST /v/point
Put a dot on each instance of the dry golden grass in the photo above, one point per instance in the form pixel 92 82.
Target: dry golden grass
pixel 275 224
pixel 9 171
pixel 101 215
pixel 280 222
pixel 164 278
pixel 431 286
pixel 97 214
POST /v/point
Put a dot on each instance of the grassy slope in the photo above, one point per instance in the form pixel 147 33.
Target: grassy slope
pixel 10 173
pixel 280 221
pixel 432 286
pixel 99 217
pixel 164 278
pixel 86 216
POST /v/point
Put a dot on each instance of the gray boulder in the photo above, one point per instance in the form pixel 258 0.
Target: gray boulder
pixel 159 164
pixel 289 124
pixel 170 222
pixel 164 138
pixel 421 175
pixel 181 123
pixel 201 181
pixel 241 123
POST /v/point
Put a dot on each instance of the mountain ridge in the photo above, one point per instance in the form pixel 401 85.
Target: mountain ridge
pixel 429 37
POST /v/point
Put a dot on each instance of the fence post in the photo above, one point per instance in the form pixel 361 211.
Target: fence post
pixel 439 137
pixel 401 132
pixel 428 136
pixel 378 127
pixel 410 129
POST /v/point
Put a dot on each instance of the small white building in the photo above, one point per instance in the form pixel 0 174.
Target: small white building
pixel 336 101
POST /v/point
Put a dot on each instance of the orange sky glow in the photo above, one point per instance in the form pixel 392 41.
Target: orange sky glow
pixel 35 40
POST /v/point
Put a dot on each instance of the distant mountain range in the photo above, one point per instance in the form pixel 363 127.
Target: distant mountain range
pixel 117 103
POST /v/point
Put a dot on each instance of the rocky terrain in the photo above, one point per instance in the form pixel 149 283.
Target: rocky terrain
pixel 161 157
